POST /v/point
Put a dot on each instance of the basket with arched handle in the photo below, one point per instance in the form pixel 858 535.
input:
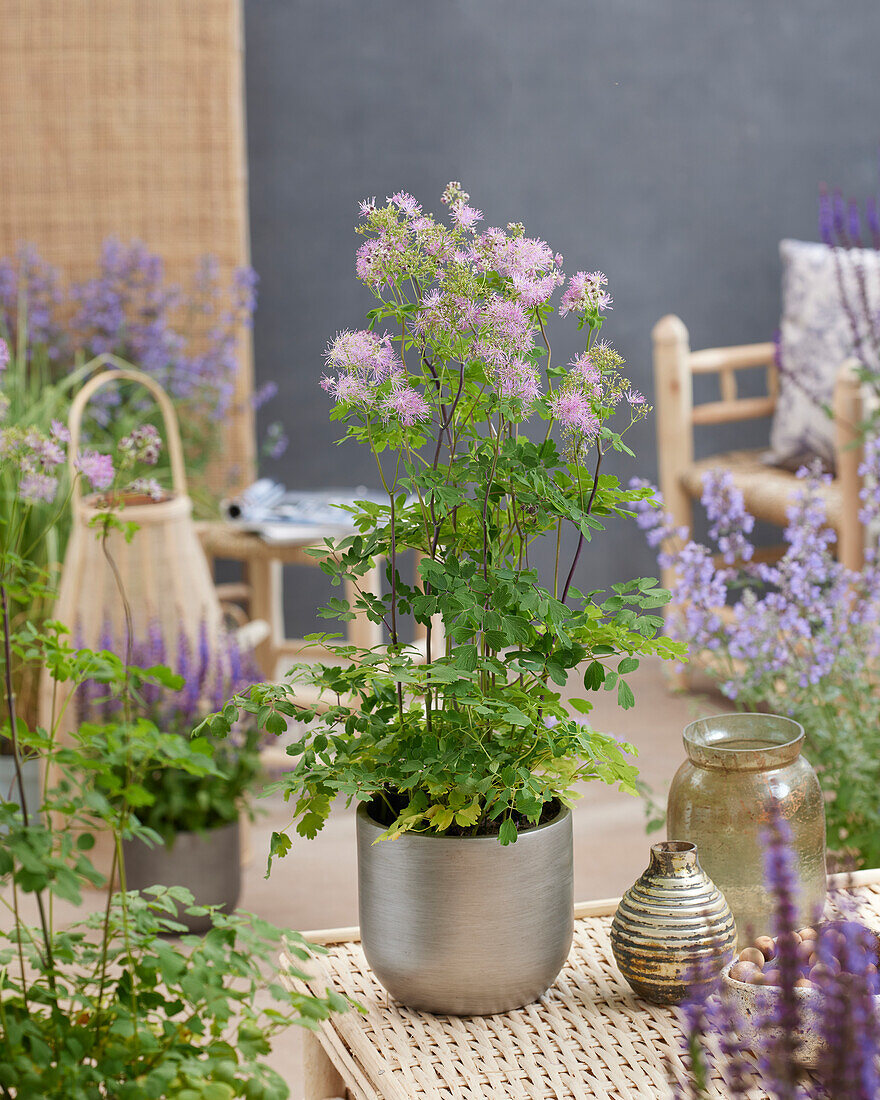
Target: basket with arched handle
pixel 163 569
pixel 166 407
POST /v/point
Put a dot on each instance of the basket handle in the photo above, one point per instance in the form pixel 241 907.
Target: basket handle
pixel 166 407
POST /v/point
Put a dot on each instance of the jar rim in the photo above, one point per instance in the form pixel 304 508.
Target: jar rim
pixel 723 741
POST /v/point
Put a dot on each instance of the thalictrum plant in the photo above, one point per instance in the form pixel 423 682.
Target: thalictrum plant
pixel 468 734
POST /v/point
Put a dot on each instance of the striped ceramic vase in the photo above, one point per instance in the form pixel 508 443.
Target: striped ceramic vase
pixel 673 931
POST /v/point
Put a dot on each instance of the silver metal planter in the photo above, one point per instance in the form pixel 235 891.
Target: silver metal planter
pixel 207 864
pixel 464 926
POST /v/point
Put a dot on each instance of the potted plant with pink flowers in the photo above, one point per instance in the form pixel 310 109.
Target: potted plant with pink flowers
pixel 460 747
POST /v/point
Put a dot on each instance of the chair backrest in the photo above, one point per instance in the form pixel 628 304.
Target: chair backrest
pixel 125 118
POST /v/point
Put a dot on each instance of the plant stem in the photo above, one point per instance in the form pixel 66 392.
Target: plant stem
pixel 19 778
pixel 580 544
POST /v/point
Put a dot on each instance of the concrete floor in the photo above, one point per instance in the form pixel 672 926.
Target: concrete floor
pixel 315 885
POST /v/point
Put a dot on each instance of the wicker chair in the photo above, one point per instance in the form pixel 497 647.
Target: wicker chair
pixel 125 118
pixel 767 490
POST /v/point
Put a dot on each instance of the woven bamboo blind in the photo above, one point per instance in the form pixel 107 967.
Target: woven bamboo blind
pixel 125 118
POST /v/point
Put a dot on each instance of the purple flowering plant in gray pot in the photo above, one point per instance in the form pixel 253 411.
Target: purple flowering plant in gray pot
pixel 453 391
pixel 183 801
pixel 798 636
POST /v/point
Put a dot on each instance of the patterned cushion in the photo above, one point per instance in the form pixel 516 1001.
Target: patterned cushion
pixel 825 292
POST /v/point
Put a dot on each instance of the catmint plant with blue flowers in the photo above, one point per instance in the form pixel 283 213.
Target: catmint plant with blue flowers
pixel 453 390
pixel 799 636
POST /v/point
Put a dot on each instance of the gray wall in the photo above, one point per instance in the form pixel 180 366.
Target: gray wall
pixel 671 143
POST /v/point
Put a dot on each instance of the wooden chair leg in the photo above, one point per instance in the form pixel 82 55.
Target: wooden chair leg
pixel 675 434
pixel 848 415
pixel 267 603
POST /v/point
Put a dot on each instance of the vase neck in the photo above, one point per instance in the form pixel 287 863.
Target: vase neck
pixel 674 857
pixel 743 742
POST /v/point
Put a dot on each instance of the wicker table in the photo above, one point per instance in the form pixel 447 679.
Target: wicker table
pixel 589 1036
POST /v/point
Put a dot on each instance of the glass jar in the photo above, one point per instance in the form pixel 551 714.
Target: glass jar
pixel 722 798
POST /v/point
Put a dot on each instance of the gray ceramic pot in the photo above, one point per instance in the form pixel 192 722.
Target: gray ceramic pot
pixel 207 864
pixel 30 773
pixel 462 925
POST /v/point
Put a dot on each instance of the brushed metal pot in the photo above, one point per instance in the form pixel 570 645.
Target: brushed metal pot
pixel 461 925
pixel 207 864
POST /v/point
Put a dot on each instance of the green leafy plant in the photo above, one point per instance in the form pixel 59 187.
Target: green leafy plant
pixel 107 1007
pixel 468 733
pixel 182 801
pixel 797 636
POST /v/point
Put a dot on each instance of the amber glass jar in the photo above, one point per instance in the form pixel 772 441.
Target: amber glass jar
pixel 722 800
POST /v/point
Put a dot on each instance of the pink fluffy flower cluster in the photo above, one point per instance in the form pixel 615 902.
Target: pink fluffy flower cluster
pixel 371 375
pixel 36 459
pixel 479 297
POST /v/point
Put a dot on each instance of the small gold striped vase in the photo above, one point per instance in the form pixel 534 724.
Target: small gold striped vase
pixel 673 931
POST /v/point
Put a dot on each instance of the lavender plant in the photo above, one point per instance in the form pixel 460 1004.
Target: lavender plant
pixel 53 332
pixel 471 735
pixel 185 338
pixel 835 995
pixel 106 1006
pixel 800 636
pixel 182 801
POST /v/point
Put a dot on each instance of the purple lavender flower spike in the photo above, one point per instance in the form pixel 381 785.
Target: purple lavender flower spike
pixel 187 671
pixel 847 980
pixel 783 1019
pixel 730 522
pixel 838 210
pixel 873 221
pixel 204 657
pixel 854 224
pixel 107 710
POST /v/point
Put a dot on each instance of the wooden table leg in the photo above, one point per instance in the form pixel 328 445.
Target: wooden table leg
pixel 361 630
pixel 321 1079
pixel 267 603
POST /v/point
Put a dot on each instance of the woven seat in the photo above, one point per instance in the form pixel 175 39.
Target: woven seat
pixel 767 490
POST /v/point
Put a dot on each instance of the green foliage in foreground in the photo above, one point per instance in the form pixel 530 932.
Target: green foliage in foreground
pixel 110 1007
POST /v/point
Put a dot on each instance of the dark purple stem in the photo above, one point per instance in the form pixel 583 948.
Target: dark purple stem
pixel 580 544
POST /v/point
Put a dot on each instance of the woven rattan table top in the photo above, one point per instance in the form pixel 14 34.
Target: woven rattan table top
pixel 589 1035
